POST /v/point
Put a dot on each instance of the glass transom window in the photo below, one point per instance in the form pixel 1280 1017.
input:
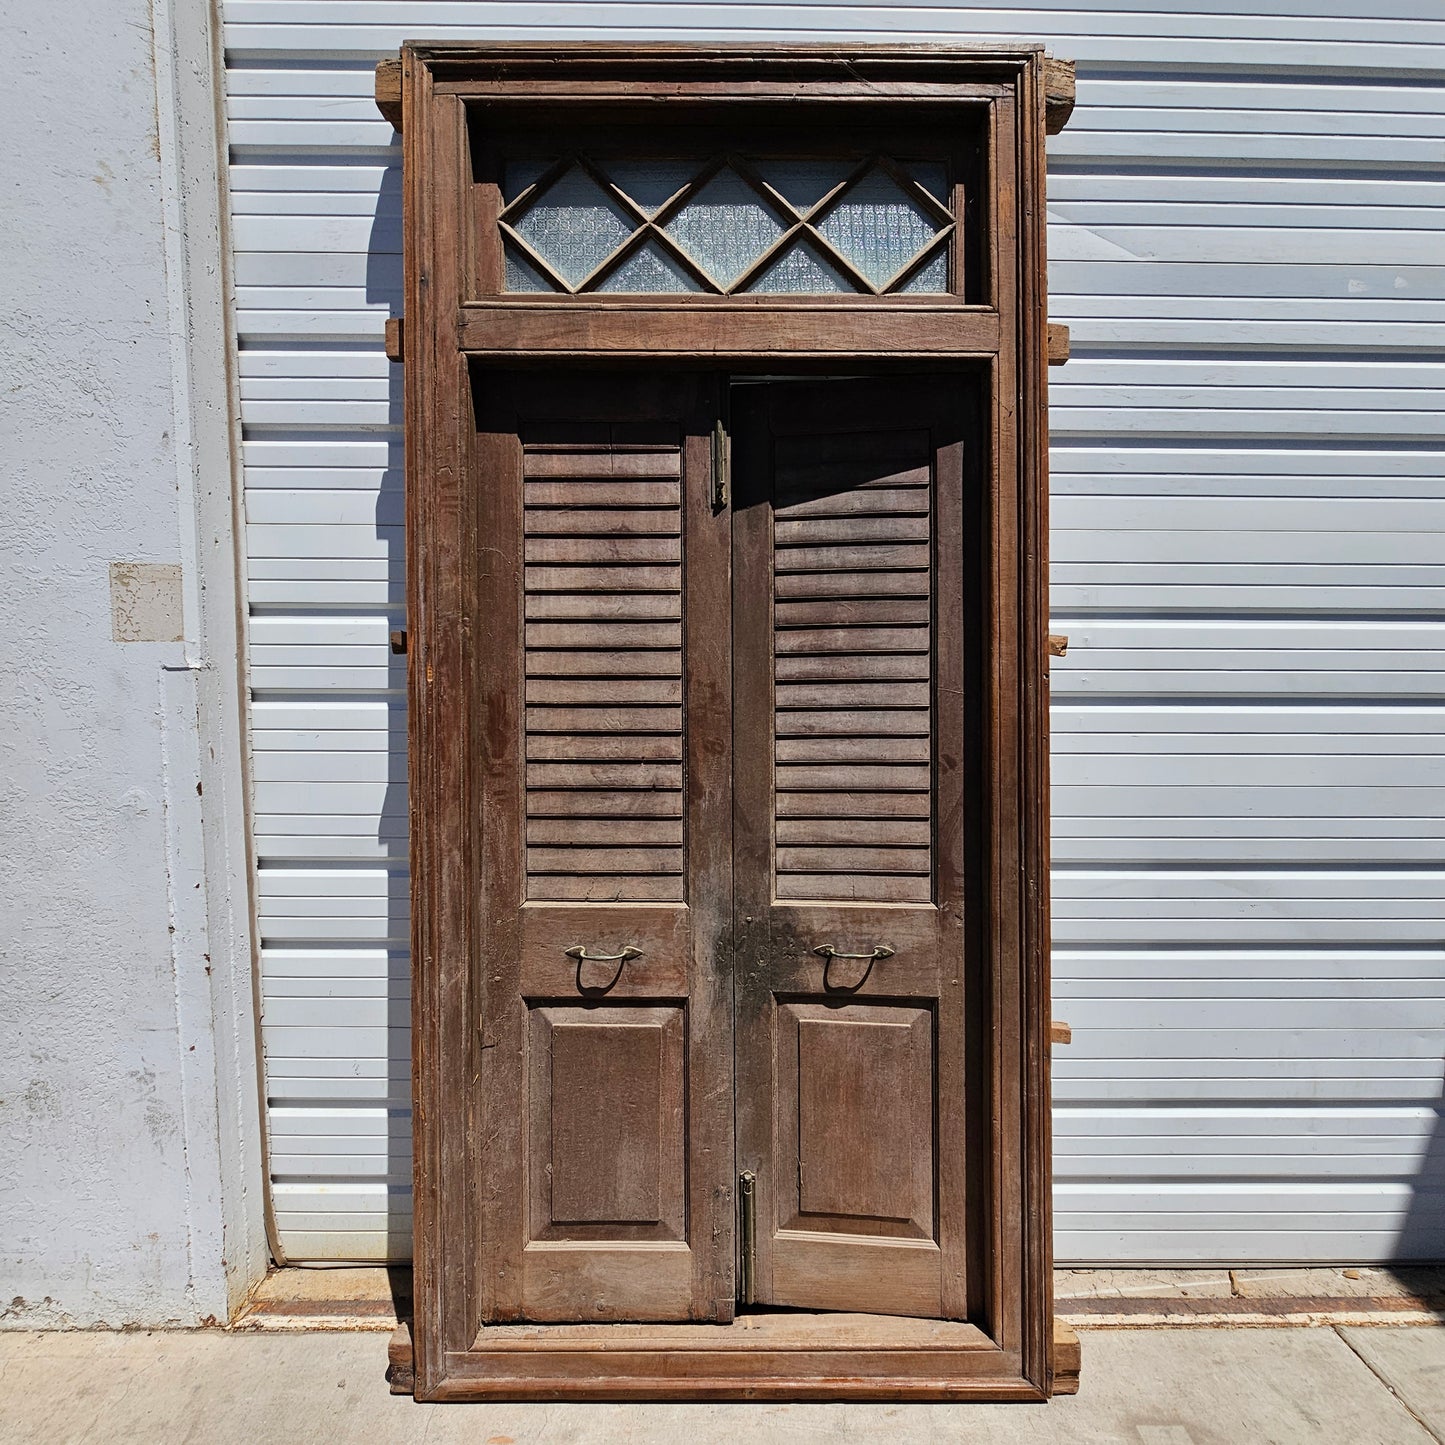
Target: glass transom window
pixel 727 226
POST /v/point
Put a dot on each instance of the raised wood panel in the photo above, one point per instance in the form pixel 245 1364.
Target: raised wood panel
pixel 863 1123
pixel 606 1124
pixel 596 495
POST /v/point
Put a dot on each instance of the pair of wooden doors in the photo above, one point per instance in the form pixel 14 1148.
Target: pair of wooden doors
pixel 727 663
pixel 728 720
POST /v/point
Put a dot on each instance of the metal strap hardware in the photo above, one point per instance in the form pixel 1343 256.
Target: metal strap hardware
pixel 719 466
pixel 597 990
pixel 832 955
pixel 829 952
pixel 582 956
pixel 747 1237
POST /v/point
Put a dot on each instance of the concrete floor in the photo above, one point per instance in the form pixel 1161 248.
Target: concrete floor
pixel 1321 1386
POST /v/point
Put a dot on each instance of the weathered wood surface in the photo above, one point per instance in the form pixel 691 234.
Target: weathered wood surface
pixel 608 1058
pixel 1059 93
pixel 854 1211
pixel 388 90
pixel 554 567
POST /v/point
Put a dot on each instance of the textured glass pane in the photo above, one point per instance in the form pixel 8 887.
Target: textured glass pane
pixel 803 183
pixel 650 268
pixel 931 277
pixel 522 275
pixel 574 225
pixel 932 176
pixel 876 227
pixel 518 175
pixel 725 227
pixel 651 183
pixel 800 268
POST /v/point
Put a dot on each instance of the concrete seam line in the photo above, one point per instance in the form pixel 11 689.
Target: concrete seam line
pixel 1409 1409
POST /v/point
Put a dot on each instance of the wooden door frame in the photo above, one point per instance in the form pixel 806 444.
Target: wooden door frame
pixel 457 319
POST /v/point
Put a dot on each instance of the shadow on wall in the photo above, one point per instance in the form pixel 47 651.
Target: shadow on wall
pixel 1422 1235
pixel 384 287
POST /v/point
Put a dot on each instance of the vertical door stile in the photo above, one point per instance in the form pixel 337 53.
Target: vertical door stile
pixel 752 606
pixel 707 565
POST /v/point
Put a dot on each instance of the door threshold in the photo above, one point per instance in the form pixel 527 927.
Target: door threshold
pixel 788 1355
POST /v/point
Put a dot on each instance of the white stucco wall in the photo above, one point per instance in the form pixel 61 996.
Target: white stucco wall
pixel 129 1153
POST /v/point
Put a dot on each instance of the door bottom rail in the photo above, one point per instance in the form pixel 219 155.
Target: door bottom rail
pixel 788 1355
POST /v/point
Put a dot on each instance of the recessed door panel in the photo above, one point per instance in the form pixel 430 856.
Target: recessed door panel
pixel 730 732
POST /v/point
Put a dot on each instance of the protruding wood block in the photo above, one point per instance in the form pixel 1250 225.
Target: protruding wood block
pixel 396 338
pixel 400 1366
pixel 388 90
pixel 1067 1359
pixel 1060 1033
pixel 1058 94
pixel 1058 343
pixel 1058 645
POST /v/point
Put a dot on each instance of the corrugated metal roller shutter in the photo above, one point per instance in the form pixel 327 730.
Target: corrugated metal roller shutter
pixel 1249 753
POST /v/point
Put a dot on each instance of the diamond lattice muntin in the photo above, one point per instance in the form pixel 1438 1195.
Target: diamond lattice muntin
pixel 762 225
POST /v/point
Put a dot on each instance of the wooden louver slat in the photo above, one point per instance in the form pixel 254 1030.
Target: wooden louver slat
pixel 602 640
pixel 852 641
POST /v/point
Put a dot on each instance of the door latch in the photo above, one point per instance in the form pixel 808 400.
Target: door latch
pixel 747 1237
pixel 719 466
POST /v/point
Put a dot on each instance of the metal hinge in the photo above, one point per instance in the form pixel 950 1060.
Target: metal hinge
pixel 747 1236
pixel 719 466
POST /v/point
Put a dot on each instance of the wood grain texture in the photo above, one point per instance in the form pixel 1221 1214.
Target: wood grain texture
pixel 439 523
pixel 582 512
pixel 841 503
pixel 595 605
pixel 849 1120
pixel 611 858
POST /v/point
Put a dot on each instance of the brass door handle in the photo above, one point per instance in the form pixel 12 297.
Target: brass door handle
pixel 582 956
pixel 596 990
pixel 829 952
